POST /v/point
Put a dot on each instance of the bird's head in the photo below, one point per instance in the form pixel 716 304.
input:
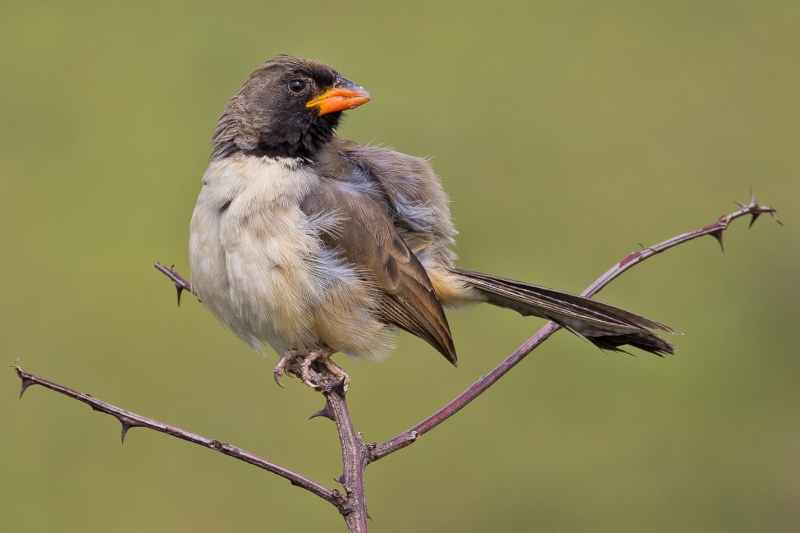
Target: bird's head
pixel 289 107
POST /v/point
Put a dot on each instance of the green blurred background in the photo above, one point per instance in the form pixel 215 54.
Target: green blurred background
pixel 565 134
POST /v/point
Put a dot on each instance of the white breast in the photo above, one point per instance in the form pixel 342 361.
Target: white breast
pixel 259 266
pixel 248 247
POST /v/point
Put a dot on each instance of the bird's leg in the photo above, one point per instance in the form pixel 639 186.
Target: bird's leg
pixel 336 370
pixel 322 356
pixel 293 362
pixel 282 367
pixel 305 366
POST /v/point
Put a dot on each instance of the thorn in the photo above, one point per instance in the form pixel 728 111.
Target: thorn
pixel 323 413
pixel 369 517
pixel 717 234
pixel 180 290
pixel 338 479
pixel 740 204
pixel 25 384
pixel 755 215
pixel 339 389
pixel 775 217
pixel 125 427
pixel 753 198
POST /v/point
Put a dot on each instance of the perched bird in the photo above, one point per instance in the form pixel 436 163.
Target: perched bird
pixel 315 244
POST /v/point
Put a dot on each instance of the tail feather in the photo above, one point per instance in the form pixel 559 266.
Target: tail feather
pixel 605 326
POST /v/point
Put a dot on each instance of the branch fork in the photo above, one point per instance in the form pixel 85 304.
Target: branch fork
pixel 356 455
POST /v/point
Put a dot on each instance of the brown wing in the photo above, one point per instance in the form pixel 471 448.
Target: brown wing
pixel 366 237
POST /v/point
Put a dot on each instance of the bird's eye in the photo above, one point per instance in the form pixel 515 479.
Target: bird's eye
pixel 297 86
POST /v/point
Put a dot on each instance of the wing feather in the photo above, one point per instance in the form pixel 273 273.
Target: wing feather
pixel 366 237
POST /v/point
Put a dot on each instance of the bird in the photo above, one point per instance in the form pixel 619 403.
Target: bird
pixel 313 244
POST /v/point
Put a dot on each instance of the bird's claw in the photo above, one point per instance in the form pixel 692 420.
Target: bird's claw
pixel 281 367
pixel 294 363
pixel 337 371
pixel 305 368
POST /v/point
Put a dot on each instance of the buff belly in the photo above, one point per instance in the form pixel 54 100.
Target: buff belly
pixel 260 268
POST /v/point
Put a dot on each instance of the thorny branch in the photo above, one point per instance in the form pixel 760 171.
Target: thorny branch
pixel 716 229
pixel 131 420
pixel 356 455
pixel 180 283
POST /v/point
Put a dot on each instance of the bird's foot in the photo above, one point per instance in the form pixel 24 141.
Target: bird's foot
pixel 282 368
pixel 293 362
pixel 341 376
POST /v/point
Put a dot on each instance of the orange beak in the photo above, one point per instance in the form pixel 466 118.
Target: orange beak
pixel 343 96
